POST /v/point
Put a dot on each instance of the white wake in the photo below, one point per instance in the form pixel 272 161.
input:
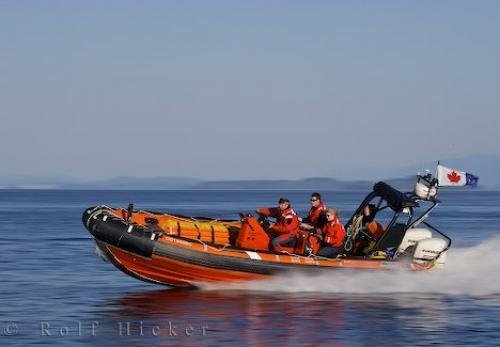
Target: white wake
pixel 473 271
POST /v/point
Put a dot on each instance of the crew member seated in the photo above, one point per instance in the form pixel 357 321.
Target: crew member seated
pixel 332 234
pixel 371 231
pixel 316 217
pixel 286 226
pixel 370 224
pixel 313 223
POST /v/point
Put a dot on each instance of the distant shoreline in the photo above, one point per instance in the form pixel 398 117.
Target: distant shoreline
pixel 443 189
pixel 405 183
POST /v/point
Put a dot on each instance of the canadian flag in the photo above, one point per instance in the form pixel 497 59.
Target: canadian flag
pixel 452 177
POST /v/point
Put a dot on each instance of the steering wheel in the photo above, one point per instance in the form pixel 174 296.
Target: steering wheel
pixel 264 222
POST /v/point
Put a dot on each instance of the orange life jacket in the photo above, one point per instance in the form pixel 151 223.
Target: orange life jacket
pixel 287 221
pixel 334 233
pixel 315 213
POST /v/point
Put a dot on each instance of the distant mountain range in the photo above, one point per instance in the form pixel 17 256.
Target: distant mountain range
pixel 117 183
pixel 485 166
pixel 177 183
pixel 138 183
pixel 313 183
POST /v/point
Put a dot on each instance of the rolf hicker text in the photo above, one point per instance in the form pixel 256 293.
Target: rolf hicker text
pixel 122 328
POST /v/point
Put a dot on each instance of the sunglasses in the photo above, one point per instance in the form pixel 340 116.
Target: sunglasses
pixel 313 200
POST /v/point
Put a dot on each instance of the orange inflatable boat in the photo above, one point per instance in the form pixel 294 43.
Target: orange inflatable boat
pixel 185 251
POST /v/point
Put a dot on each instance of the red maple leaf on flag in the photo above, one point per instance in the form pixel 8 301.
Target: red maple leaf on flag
pixel 454 177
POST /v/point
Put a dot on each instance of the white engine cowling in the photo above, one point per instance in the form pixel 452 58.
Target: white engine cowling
pixel 412 236
pixel 428 249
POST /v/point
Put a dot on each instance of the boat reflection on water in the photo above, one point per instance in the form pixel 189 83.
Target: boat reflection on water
pixel 194 317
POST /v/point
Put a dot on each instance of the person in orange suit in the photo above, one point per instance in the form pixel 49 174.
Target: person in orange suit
pixel 333 235
pixel 313 223
pixel 316 216
pixel 371 229
pixel 287 224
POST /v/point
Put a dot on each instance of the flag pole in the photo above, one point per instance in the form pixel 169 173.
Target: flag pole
pixel 437 172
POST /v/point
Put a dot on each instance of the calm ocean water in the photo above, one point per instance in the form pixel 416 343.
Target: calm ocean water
pixel 54 290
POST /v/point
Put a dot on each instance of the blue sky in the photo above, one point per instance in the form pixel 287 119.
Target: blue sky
pixel 257 89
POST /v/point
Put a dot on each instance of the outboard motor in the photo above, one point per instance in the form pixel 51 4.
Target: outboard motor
pixel 428 249
pixel 412 236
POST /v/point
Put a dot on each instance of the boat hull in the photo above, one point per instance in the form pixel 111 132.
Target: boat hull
pixel 153 256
